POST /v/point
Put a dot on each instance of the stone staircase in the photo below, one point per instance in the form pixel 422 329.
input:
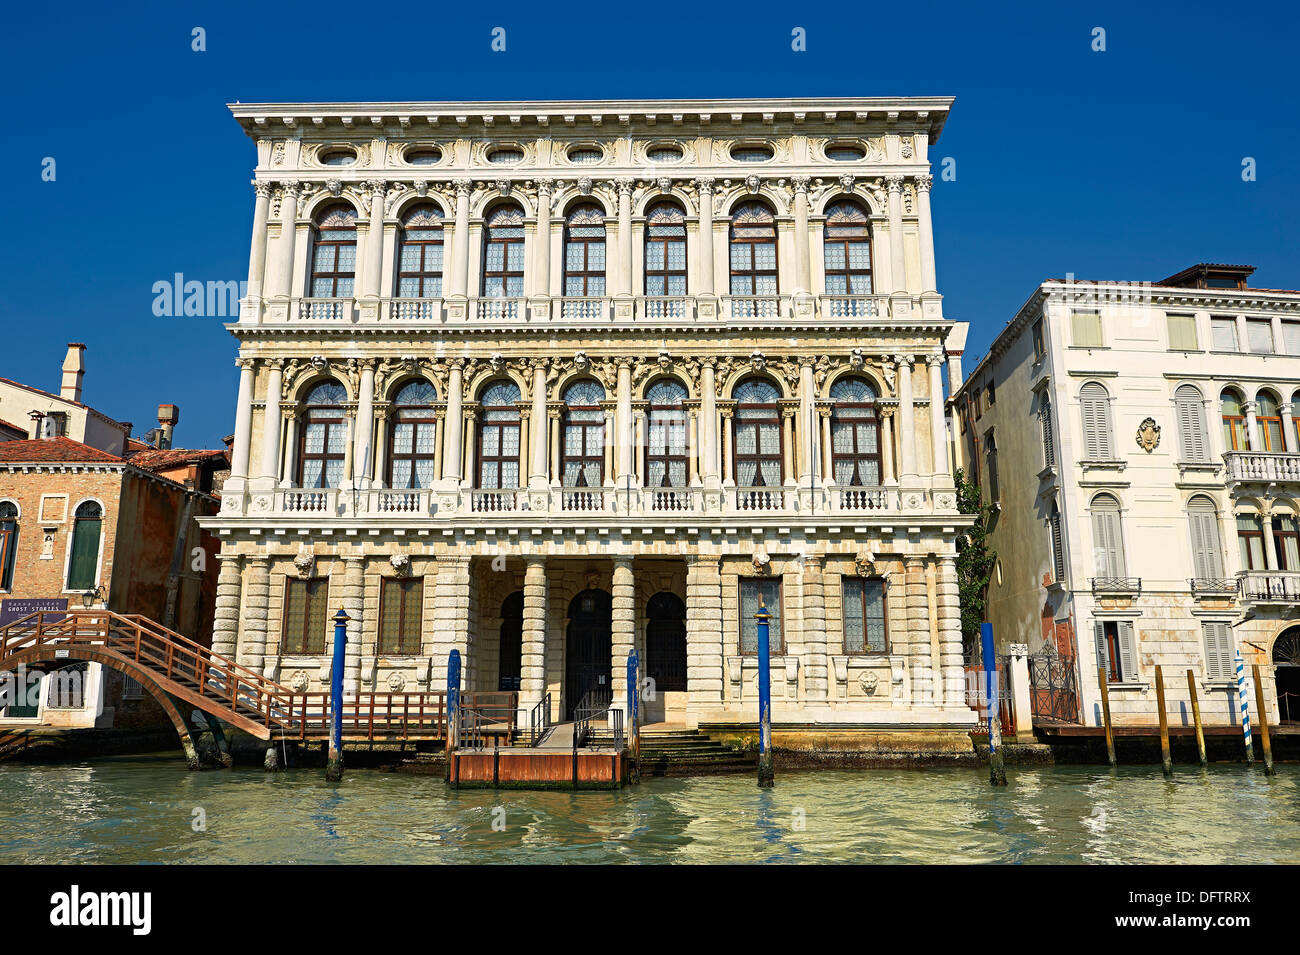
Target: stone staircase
pixel 683 752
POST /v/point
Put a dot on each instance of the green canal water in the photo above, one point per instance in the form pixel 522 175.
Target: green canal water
pixel 142 809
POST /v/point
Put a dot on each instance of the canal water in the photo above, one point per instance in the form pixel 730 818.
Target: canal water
pixel 149 809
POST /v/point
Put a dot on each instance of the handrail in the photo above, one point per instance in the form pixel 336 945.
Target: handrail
pixel 539 720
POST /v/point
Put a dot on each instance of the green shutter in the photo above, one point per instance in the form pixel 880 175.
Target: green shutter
pixel 85 554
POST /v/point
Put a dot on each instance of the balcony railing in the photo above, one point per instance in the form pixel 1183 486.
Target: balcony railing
pixel 861 499
pixel 413 502
pixel 583 309
pixel 1269 586
pixel 499 309
pixel 1213 585
pixel 582 499
pixel 503 501
pixel 1262 466
pixel 855 306
pixel 670 499
pixel 323 502
pixel 755 306
pixel 411 310
pixel 760 499
pixel 656 307
pixel 340 310
pixel 1117 585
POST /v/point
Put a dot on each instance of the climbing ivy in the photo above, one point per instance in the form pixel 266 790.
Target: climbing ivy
pixel 974 565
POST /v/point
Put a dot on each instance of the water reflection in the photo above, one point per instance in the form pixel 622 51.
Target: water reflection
pixel 140 810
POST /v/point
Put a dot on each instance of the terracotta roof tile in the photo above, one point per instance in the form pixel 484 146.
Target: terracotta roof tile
pixel 157 460
pixel 60 450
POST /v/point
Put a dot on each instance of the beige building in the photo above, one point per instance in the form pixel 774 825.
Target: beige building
pixel 1139 444
pixel 543 382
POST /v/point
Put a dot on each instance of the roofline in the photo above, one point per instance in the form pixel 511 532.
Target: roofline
pixel 119 466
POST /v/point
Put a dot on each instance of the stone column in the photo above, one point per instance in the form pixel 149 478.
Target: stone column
pixel 906 417
pixel 610 461
pixel 897 266
pixel 452 431
pixel 542 261
pixel 374 240
pixel 1270 539
pixel 728 479
pixel 827 448
pixel 1288 428
pixel 354 604
pixel 1252 428
pixel 1022 705
pixel 704 642
pixel 451 623
pixel 537 476
pixel 814 630
pixel 271 420
pixel 525 436
pixel 693 445
pixel 708 424
pixel 466 430
pixel 951 661
pixel 624 423
pixel 252 648
pixel 282 284
pixel 362 457
pixel 459 284
pixel 289 472
pixel 887 447
pixel 638 445
pixel 787 441
pixel 938 425
pixel 918 626
pixel 807 423
pixel 705 187
pixel 553 417
pixel 929 284
pixel 622 629
pixel 243 421
pixel 225 619
pixel 532 668
pixel 625 235
pixel 802 257
pixel 257 256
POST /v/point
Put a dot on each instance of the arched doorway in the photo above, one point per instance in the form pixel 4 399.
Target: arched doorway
pixel 1286 669
pixel 665 642
pixel 586 654
pixel 510 648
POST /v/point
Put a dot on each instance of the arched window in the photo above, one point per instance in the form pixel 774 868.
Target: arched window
pixel 8 543
pixel 848 249
pixel 855 433
pixel 83 567
pixel 1193 438
pixel 1107 538
pixel 584 251
pixel 1203 523
pixel 509 650
pixel 665 250
pixel 412 441
pixel 334 253
pixel 1058 543
pixel 1268 417
pixel 1094 403
pixel 498 436
pixel 419 270
pixel 753 250
pixel 665 446
pixel 323 437
pixel 583 461
pixel 1234 420
pixel 758 434
pixel 665 642
pixel 503 252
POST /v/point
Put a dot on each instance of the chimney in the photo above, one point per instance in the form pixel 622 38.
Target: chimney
pixel 168 417
pixel 38 424
pixel 74 367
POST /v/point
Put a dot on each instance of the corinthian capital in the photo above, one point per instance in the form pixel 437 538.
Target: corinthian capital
pixel 625 186
pixel 924 182
pixel 894 183
pixel 704 184
pixel 263 188
pixel 800 183
pixel 463 187
pixel 290 187
pixel 376 188
pixel 545 186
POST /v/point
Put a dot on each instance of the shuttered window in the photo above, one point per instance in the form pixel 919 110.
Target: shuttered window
pixel 1203 521
pixel 83 568
pixel 1224 333
pixel 1116 649
pixel 1045 419
pixel 306 604
pixel 1259 333
pixel 1189 409
pixel 1182 332
pixel 1218 650
pixel 1107 539
pixel 400 610
pixel 1095 405
pixel 1086 328
pixel 1058 545
pixel 1291 337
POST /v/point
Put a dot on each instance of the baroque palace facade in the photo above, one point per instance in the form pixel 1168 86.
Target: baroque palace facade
pixel 546 381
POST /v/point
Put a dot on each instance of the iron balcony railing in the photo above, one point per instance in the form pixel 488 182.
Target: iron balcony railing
pixel 1212 585
pixel 1116 585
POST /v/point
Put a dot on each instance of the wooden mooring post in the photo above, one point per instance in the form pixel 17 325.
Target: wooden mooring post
pixel 1263 722
pixel 1166 760
pixel 1105 714
pixel 1196 718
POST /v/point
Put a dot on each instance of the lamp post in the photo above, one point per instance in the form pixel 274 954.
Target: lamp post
pixel 766 777
pixel 334 761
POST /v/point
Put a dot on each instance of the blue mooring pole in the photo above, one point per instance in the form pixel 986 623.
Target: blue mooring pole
pixel 766 776
pixel 992 699
pixel 334 761
pixel 634 712
pixel 453 716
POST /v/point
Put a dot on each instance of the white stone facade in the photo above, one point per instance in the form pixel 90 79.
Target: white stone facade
pixel 516 540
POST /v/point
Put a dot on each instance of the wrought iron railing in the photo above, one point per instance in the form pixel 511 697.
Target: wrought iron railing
pixel 539 720
pixel 1053 687
pixel 1116 585
pixel 1212 585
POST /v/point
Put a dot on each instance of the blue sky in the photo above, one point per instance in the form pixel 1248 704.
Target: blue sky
pixel 1122 164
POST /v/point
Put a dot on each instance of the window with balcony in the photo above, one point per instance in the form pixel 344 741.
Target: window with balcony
pixel 412 443
pixel 8 543
pixel 1219 662
pixel 1182 332
pixel 401 612
pixel 1268 418
pixel 864 615
pixel 753 250
pixel 1233 414
pixel 498 436
pixel 1193 436
pixel 1094 404
pixel 1250 541
pixel 1223 333
pixel 584 252
pixel 847 239
pixel 322 443
pixel 1286 536
pixel 1203 524
pixel 503 252
pixel 665 250
pixel 306 610
pixel 1107 542
pixel 583 461
pixel 334 252
pixel 1116 649
pixel 758 434
pixel 1259 335
pixel 756 591
pixel 855 433
pixel 666 450
pixel 419 272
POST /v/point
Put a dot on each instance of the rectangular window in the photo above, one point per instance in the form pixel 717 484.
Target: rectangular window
pixel 864 614
pixel 1218 650
pixel 1182 332
pixel 1039 348
pixel 401 605
pixel 1224 333
pixel 1250 539
pixel 1049 445
pixel 1116 650
pixel 991 460
pixel 751 589
pixel 1259 334
pixel 1291 337
pixel 1086 328
pixel 305 611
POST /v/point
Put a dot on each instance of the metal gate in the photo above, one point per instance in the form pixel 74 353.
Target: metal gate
pixel 1054 686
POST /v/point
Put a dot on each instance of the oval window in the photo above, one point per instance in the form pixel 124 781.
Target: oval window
pixel 585 155
pixel 664 154
pixel 843 152
pixel 506 155
pixel 338 157
pixel 751 153
pixel 422 156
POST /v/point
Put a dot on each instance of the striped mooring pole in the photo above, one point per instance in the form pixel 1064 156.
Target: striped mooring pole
pixel 1244 702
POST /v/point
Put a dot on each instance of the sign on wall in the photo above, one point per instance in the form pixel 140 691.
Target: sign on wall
pixel 15 608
